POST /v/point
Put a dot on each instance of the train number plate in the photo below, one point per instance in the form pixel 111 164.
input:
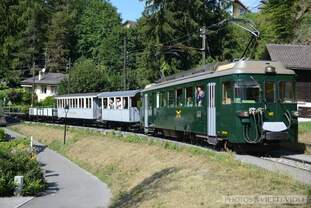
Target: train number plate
pixel 276 135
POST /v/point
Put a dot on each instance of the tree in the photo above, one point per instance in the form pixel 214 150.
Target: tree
pixel 59 41
pixel 98 21
pixel 170 33
pixel 23 28
pixel 86 76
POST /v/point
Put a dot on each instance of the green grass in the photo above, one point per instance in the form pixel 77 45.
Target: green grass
pixel 304 127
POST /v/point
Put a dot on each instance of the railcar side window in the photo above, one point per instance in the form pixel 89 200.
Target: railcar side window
pixel 171 98
pixel 199 95
pixel 105 103
pixel 227 92
pixel 163 99
pixel 286 91
pixel 179 97
pixel 270 91
pixel 125 103
pixel 111 103
pixel 119 103
pixel 189 96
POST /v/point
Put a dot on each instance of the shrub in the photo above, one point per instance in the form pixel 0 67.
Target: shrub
pixel 16 160
pixel 47 102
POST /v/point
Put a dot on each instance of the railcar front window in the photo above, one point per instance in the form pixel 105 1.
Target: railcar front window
pixel 246 91
pixel 286 92
pixel 269 91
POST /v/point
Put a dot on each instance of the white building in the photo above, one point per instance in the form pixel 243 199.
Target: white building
pixel 45 84
pixel 238 8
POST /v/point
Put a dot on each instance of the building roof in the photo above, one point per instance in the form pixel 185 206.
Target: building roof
pixel 241 4
pixel 91 94
pixel 129 23
pixel 47 78
pixel 129 93
pixel 292 56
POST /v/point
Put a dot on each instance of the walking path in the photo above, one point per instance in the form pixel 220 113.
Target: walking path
pixel 68 184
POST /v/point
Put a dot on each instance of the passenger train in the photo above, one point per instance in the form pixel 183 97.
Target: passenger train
pixel 244 102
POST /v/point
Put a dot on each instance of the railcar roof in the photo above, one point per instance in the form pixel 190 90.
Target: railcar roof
pixel 92 94
pixel 239 67
pixel 128 93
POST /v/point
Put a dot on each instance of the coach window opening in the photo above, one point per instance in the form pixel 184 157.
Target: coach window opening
pixel 126 103
pixel 189 96
pixel 199 95
pixel 118 103
pixel 171 98
pixel 105 103
pixel 179 97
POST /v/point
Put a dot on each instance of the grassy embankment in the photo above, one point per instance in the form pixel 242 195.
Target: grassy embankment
pixel 305 136
pixel 145 173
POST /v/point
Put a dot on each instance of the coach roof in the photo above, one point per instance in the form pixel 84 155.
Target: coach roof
pixel 128 93
pixel 92 94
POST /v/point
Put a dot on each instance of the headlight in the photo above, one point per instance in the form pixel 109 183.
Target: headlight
pixel 295 114
pixel 243 114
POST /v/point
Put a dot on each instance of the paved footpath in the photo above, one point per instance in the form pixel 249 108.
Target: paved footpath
pixel 68 185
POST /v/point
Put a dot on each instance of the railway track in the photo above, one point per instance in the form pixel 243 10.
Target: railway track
pixel 296 161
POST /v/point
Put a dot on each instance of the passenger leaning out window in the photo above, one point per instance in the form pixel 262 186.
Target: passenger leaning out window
pixel 200 96
pixel 119 103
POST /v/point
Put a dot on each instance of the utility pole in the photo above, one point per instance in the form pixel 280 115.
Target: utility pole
pixel 68 71
pixel 45 57
pixel 203 36
pixel 124 62
pixel 33 83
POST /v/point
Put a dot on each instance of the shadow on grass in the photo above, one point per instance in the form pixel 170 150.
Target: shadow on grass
pixel 144 190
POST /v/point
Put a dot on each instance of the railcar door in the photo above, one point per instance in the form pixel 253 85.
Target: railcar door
pixel 211 109
pixel 146 114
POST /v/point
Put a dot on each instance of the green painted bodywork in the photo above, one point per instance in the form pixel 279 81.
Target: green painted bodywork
pixel 228 124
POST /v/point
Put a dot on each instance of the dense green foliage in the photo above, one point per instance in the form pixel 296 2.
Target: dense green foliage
pixel 86 76
pixel 18 96
pixel 165 40
pixel 16 160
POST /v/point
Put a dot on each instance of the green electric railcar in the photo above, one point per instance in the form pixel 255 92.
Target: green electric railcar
pixel 245 102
